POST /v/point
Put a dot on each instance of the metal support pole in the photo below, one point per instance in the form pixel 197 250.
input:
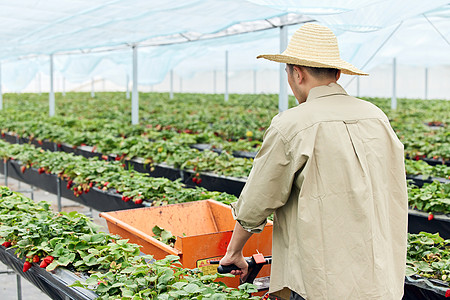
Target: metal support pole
pixel 64 86
pixel 58 193
pixel 357 86
pixel 51 97
pixel 135 95
pixel 283 96
pixel 394 84
pixel 5 171
pixel 39 84
pixel 19 287
pixel 254 81
pixel 426 83
pixel 1 93
pixel 226 75
pixel 171 84
pixel 215 82
pixel 127 94
pixel 92 88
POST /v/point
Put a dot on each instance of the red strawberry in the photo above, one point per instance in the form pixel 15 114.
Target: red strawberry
pixel 91 184
pixel 118 158
pixel 75 189
pixel 41 170
pixel 40 142
pixel 199 180
pixel 104 157
pixel 26 266
pixel 197 174
pixel 138 201
pixel 3 134
pixel 59 145
pixel 48 259
pixel 194 180
pixel 447 294
pixel 6 244
pixel 106 183
pixel 23 168
pixel 36 259
pixel 83 144
pixel 430 217
pixel 43 264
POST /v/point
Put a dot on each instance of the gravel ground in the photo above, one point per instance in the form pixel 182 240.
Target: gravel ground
pixel 8 279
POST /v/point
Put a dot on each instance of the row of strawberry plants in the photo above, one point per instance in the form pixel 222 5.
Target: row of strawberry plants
pixel 71 240
pixel 117 270
pixel 195 113
pixel 82 174
pixel 419 167
pixel 428 255
pixel 172 153
pixel 175 152
pixel 408 120
pixel 433 197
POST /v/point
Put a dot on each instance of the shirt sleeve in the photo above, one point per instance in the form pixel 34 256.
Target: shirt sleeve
pixel 268 185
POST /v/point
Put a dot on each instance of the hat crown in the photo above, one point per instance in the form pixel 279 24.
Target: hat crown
pixel 314 42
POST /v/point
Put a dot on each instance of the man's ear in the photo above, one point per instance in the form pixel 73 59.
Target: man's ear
pixel 299 74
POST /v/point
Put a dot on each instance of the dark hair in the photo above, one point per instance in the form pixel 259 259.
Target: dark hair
pixel 317 72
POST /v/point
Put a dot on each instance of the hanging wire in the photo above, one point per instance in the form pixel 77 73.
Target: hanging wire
pixel 376 52
pixel 445 39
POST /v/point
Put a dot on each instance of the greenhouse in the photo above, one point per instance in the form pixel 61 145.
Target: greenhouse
pixel 225 149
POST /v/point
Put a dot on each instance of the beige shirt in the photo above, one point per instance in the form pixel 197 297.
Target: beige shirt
pixel 332 172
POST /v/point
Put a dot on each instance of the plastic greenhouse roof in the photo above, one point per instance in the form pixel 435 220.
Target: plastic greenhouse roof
pixel 194 34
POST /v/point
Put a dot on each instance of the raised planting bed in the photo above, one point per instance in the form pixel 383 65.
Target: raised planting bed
pixel 420 180
pixel 202 229
pixel 420 221
pixel 96 198
pixel 55 283
pixel 46 182
pixel 99 199
pixel 420 288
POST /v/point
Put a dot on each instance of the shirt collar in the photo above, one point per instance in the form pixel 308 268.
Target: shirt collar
pixel 325 90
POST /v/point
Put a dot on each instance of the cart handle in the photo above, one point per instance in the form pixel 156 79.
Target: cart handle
pixel 252 265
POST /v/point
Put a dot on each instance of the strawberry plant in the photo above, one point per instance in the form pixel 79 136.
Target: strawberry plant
pixel 419 167
pixel 116 268
pixel 432 197
pixel 428 255
pixel 164 236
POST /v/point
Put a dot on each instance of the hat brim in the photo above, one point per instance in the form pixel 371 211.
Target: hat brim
pixel 342 65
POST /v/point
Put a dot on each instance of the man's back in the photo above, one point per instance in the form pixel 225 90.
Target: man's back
pixel 341 232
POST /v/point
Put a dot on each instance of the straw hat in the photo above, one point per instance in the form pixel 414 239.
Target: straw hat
pixel 314 45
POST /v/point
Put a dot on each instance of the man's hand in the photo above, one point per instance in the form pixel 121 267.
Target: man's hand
pixel 239 261
pixel 234 254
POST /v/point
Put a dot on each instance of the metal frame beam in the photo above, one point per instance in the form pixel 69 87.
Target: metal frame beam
pixel 283 96
pixel 226 76
pixel 51 96
pixel 394 84
pixel 135 94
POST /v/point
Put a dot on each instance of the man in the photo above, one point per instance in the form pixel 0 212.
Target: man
pixel 332 172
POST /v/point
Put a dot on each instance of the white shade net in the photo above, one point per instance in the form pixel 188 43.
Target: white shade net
pixel 94 38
